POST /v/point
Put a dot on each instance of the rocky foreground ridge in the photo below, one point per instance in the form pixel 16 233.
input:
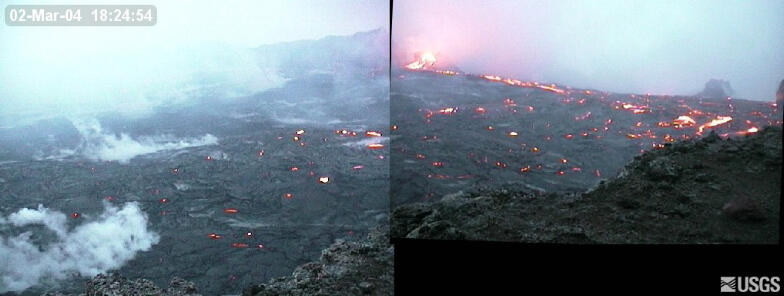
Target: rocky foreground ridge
pixel 708 190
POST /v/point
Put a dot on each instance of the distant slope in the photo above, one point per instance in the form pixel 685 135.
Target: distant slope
pixel 333 79
pixel 344 54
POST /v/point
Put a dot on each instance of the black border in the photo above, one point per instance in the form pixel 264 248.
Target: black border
pixel 517 267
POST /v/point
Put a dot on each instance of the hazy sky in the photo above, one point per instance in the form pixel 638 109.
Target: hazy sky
pixel 664 47
pixel 54 69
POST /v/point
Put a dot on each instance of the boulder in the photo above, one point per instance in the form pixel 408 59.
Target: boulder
pixel 744 209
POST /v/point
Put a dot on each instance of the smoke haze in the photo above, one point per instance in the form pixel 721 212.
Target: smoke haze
pixel 659 47
pixel 94 247
pixel 195 49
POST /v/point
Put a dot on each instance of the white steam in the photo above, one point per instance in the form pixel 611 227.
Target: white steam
pixel 366 141
pixel 97 145
pixel 95 247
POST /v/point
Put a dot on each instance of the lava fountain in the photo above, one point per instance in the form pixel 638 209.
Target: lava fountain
pixel 425 60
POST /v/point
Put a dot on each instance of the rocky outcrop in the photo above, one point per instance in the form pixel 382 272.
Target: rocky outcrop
pixel 780 92
pixel 116 285
pixel 717 89
pixel 709 190
pixel 346 268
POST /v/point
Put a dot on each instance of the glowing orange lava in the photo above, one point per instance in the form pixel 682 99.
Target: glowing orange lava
pixel 491 77
pixel 447 111
pixel 683 120
pixel 719 120
pixel 426 60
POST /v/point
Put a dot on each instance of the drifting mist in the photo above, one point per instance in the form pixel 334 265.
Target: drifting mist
pixel 195 49
pixel 90 248
pixel 661 47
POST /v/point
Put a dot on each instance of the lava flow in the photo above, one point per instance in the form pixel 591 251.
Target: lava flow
pixel 719 120
pixel 424 61
pixel 575 135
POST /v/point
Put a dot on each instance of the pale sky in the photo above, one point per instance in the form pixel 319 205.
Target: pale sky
pixel 663 46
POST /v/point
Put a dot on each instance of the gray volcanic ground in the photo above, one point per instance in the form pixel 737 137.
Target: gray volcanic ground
pixel 460 132
pixel 224 193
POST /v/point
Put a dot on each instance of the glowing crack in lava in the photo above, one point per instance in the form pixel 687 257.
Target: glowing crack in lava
pixel 426 60
pixel 682 121
pixel 527 84
pixel 719 120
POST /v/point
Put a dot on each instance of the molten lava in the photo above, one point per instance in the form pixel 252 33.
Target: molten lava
pixel 372 134
pixel 425 61
pixel 447 111
pixel 239 245
pixel 683 120
pixel 719 120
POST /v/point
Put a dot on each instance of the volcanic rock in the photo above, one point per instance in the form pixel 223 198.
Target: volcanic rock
pixel 663 168
pixel 412 215
pixel 744 209
pixel 680 194
pixel 345 268
pixel 116 285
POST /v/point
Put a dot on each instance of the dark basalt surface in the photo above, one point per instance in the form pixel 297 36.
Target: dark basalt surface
pixel 700 191
pixel 562 127
pixel 185 205
pixel 116 285
pixel 361 267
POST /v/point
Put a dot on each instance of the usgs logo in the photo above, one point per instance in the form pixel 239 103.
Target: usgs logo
pixel 751 284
